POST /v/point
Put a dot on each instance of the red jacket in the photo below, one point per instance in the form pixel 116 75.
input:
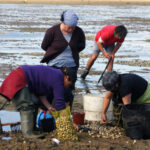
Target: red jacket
pixel 107 35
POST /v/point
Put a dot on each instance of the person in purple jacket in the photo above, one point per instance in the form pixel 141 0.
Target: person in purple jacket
pixel 31 87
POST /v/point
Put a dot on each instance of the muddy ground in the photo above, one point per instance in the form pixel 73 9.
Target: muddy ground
pixel 18 142
pixel 86 142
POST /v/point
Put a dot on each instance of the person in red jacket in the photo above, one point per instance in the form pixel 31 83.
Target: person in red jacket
pixel 108 40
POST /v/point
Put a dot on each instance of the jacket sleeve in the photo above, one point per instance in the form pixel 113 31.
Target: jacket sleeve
pixel 58 92
pixel 48 39
pixel 82 39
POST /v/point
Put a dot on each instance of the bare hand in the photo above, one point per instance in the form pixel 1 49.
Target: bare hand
pixel 50 109
pixel 103 118
pixel 107 55
pixel 112 55
pixel 76 126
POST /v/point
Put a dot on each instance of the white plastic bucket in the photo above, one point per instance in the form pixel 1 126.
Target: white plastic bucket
pixel 92 104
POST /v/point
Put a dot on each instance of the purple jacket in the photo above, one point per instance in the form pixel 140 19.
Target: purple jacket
pixel 54 43
pixel 46 81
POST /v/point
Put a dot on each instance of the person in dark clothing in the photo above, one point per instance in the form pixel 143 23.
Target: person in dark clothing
pixel 28 88
pixel 130 88
pixel 63 43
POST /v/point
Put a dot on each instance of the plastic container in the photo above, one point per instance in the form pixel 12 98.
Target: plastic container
pixel 92 104
pixel 78 118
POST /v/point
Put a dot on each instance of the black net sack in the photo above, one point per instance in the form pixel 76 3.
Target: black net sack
pixel 47 125
pixel 136 120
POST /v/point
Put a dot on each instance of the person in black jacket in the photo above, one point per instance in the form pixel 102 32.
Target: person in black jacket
pixel 63 43
pixel 129 88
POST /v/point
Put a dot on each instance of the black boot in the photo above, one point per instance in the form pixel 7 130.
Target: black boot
pixel 84 74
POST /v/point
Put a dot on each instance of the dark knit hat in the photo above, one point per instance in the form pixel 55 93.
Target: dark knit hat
pixel 72 75
pixel 109 80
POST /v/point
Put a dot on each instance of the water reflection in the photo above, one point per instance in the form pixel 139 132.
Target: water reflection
pixel 22 28
pixel 9 117
pixel 6 138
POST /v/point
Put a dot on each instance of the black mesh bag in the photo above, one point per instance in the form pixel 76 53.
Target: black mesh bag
pixel 136 120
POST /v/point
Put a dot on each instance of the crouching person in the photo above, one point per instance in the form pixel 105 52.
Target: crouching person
pixel 28 88
pixel 130 88
pixel 134 92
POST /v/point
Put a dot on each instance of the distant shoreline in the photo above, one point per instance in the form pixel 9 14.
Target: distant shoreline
pixel 79 2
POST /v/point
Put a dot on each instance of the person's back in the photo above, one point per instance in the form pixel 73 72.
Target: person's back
pixel 132 83
pixel 41 79
pixel 107 35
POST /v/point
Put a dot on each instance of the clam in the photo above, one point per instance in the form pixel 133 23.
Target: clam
pixel 104 131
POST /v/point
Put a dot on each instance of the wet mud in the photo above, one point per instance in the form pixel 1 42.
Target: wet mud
pixel 21 36
pixel 115 140
pixel 18 142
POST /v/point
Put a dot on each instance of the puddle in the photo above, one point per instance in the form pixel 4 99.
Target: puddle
pixel 6 138
pixel 9 117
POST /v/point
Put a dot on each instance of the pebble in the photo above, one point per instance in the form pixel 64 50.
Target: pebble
pixel 134 141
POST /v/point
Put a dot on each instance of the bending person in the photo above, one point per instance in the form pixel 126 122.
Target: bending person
pixel 28 88
pixel 108 40
pixel 128 88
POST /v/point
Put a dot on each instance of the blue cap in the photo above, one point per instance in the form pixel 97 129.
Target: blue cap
pixel 70 18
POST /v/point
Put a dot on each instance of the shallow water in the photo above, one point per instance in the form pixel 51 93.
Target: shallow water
pixel 9 117
pixel 22 27
pixel 6 138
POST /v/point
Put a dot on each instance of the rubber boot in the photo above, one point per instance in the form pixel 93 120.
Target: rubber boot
pixel 84 74
pixel 27 125
pixel 34 120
